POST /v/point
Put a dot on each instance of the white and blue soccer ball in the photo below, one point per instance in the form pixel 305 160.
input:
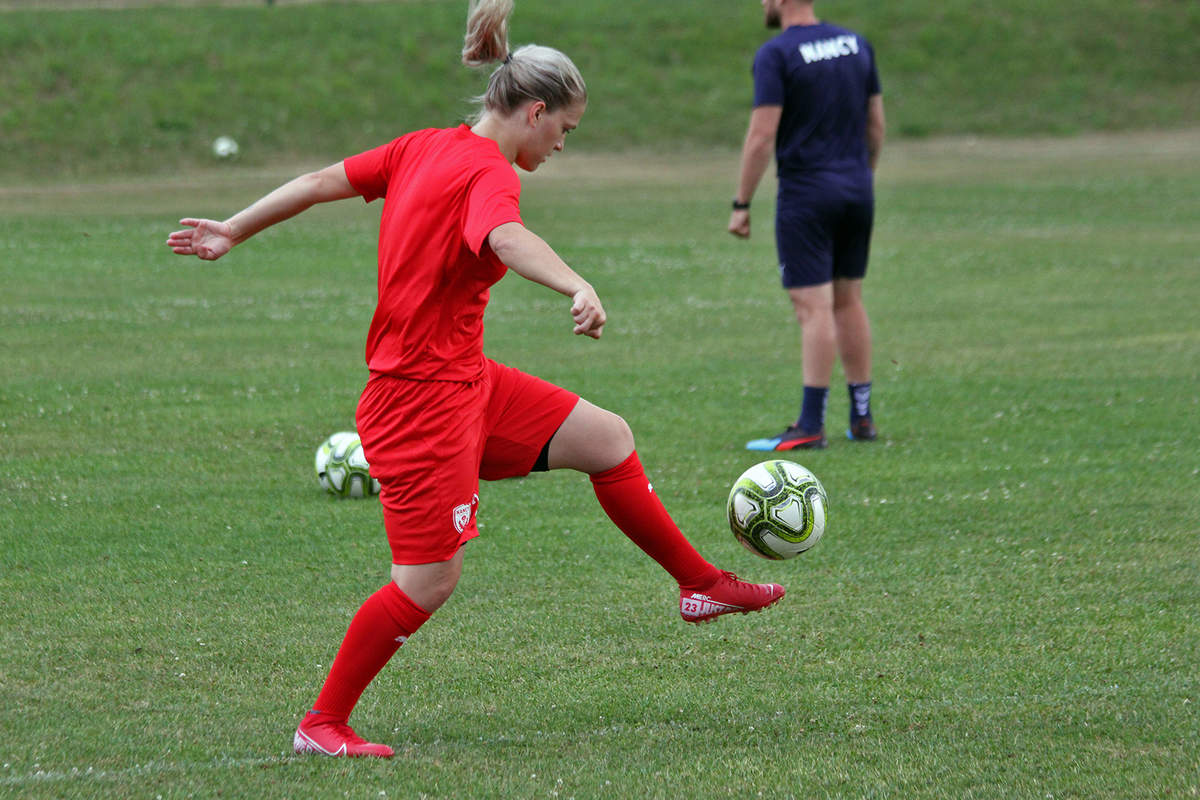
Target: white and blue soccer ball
pixel 342 468
pixel 777 509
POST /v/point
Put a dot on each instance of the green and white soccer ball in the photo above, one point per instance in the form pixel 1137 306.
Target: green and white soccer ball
pixel 777 509
pixel 342 467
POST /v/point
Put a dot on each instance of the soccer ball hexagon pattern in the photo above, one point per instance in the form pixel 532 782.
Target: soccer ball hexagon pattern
pixel 777 509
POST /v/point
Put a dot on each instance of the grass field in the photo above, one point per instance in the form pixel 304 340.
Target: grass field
pixel 1005 604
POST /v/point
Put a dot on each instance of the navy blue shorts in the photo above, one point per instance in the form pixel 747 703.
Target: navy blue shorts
pixel 822 231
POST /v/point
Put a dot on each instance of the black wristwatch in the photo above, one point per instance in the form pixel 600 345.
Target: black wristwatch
pixel 738 205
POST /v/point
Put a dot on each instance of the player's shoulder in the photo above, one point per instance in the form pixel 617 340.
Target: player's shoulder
pixel 458 144
pixel 427 137
pixel 412 141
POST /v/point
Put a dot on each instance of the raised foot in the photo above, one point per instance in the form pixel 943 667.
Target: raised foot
pixel 729 595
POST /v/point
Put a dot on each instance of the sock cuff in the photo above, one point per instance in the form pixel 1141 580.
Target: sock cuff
pixel 400 607
pixel 629 468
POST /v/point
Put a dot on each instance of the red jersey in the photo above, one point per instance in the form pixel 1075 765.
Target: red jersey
pixel 444 191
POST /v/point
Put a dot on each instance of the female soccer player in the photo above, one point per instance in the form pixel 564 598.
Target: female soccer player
pixel 435 411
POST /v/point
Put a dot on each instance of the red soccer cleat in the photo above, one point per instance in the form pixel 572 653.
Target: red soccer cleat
pixel 335 739
pixel 728 596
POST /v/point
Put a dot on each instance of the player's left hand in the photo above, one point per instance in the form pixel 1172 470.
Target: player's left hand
pixel 588 313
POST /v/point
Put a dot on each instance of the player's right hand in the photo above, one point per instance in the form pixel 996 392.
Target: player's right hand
pixel 204 238
pixel 739 223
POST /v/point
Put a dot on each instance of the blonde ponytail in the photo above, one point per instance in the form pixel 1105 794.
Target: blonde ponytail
pixel 532 72
pixel 487 32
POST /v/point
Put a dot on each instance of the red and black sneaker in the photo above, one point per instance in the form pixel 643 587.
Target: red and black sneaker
pixel 728 595
pixel 794 438
pixel 861 430
pixel 337 739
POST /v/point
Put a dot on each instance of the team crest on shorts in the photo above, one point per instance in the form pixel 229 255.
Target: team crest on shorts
pixel 462 514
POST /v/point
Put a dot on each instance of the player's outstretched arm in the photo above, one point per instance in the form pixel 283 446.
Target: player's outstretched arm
pixel 528 255
pixel 209 240
pixel 876 127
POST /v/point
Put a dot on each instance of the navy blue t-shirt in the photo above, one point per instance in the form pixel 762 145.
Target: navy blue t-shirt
pixel 822 75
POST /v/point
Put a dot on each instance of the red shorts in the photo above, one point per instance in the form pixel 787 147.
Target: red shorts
pixel 429 443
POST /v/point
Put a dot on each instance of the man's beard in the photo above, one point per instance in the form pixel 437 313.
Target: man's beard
pixel 773 18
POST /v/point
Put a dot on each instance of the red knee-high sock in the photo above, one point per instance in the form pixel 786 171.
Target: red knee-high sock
pixel 627 497
pixel 385 620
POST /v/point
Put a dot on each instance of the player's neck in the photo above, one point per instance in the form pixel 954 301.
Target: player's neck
pixel 498 129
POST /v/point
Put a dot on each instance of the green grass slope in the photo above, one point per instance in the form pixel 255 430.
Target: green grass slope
pixel 146 89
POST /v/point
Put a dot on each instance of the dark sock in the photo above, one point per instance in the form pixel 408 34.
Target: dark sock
pixel 812 413
pixel 860 400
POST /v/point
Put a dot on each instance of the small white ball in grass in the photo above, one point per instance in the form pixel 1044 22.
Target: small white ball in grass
pixel 224 147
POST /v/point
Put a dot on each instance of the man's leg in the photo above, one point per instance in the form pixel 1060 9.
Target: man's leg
pixel 853 330
pixel 854 346
pixel 814 311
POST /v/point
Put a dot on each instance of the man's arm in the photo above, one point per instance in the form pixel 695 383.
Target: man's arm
pixel 875 129
pixel 756 157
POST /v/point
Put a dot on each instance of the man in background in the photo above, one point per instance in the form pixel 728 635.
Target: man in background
pixel 818 106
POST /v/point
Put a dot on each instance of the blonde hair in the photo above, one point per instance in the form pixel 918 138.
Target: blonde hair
pixel 532 72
